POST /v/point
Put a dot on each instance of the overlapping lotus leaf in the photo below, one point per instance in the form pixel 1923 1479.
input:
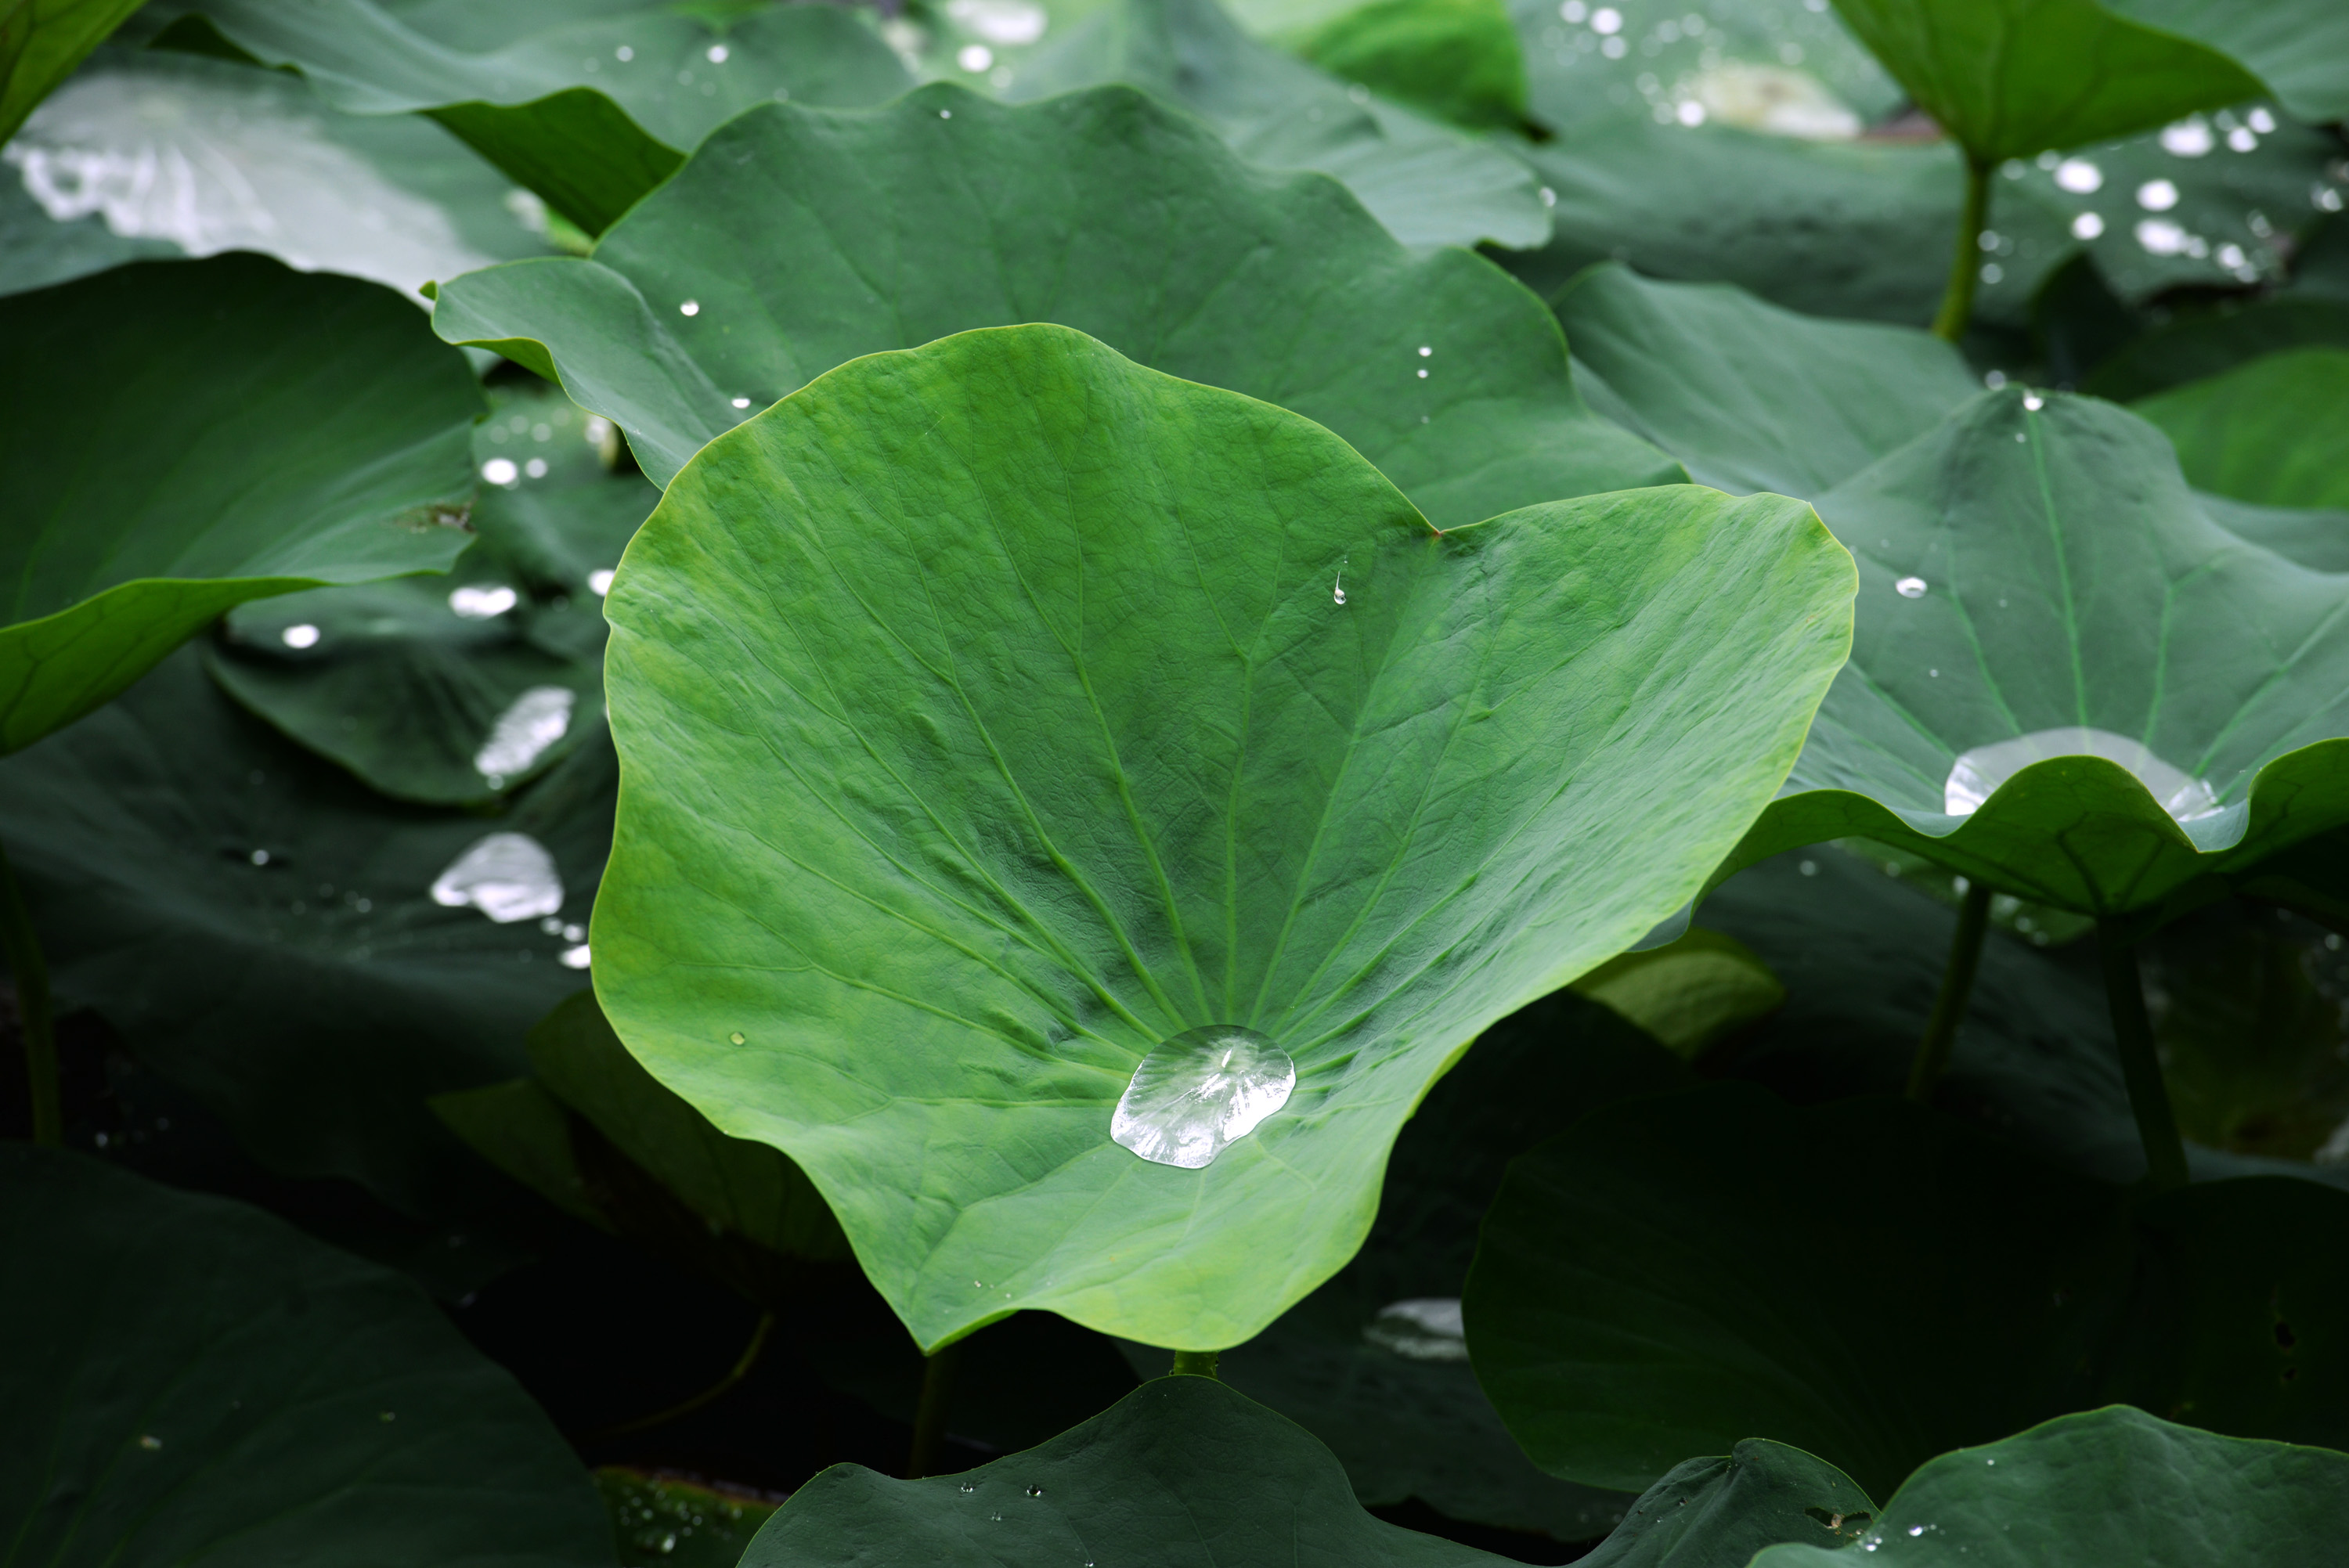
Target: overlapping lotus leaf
pixel 197 1379
pixel 1877 1285
pixel 590 112
pixel 703 305
pixel 2113 1485
pixel 227 901
pixel 2010 79
pixel 41 45
pixel 1430 184
pixel 990 714
pixel 2033 570
pixel 2273 430
pixel 181 436
pixel 1180 1473
pixel 1456 60
pixel 2300 48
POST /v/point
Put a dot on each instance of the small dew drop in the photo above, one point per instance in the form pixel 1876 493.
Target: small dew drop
pixel 484 601
pixel 2156 195
pixel 1035 1491
pixel 716 54
pixel 624 54
pixel 1916 1530
pixel 2079 175
pixel 302 636
pixel 2033 401
pixel 1423 375
pixel 1425 351
pixel 500 471
pixel 1910 587
pixel 575 958
pixel 261 857
pixel 967 1488
pixel 2088 226
pixel 946 114
pixel 736 1037
pixel 690 307
pixel 975 57
pixel 741 402
pixel 599 582
pixel 1809 868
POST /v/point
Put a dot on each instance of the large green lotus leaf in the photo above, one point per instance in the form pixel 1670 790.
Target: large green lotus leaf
pixel 2035 564
pixel 458 690
pixel 290 431
pixel 2009 78
pixel 945 212
pixel 261 928
pixel 1457 60
pixel 590 112
pixel 41 41
pixel 1428 183
pixel 2300 48
pixel 1752 396
pixel 2274 430
pixel 147 153
pixel 1718 1513
pixel 1875 1284
pixel 195 1380
pixel 2113 1485
pixel 1203 724
pixel 1371 1363
pixel 1181 1473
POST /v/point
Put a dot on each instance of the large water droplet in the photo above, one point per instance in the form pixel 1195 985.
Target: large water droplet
pixel 1424 1328
pixel 506 876
pixel 531 723
pixel 1200 1090
pixel 1981 770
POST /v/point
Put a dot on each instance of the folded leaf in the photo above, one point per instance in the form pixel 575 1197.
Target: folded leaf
pixel 997 712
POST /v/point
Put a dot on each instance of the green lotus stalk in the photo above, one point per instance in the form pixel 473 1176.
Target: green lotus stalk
pixel 930 1415
pixel 2157 1124
pixel 1965 263
pixel 1193 1364
pixel 1957 985
pixel 22 949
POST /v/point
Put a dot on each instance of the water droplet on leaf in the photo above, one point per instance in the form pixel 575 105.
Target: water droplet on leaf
pixel 1199 1091
pixel 1979 772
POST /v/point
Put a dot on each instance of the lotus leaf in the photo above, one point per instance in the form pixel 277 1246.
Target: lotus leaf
pixel 1690 994
pixel 2198 345
pixel 590 112
pixel 458 690
pixel 1371 1363
pixel 154 153
pixel 2274 430
pixel 1181 1473
pixel 1875 1284
pixel 291 430
pixel 1428 183
pixel 2036 577
pixel 41 41
pixel 227 901
pixel 2109 1486
pixel 1717 1512
pixel 1434 366
pixel 1751 395
pixel 1040 823
pixel 2299 48
pixel 198 1380
pixel 2009 78
pixel 1456 60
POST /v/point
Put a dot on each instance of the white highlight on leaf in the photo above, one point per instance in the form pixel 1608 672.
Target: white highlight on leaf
pixel 1980 771
pixel 531 723
pixel 506 876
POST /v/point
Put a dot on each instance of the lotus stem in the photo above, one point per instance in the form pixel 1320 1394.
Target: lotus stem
pixel 1193 1364
pixel 930 1416
pixel 1965 266
pixel 1957 985
pixel 740 1369
pixel 22 949
pixel 2157 1124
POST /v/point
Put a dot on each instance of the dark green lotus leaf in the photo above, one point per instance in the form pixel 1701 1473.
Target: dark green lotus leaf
pixel 2299 48
pixel 752 1190
pixel 184 436
pixel 590 112
pixel 525 1132
pixel 196 1380
pixel 1428 183
pixel 1718 1513
pixel 1371 1363
pixel 2009 78
pixel 2198 345
pixel 456 690
pixel 2274 430
pixel 1042 822
pixel 1690 994
pixel 41 41
pixel 1434 366
pixel 1752 396
pixel 2034 571
pixel 228 900
pixel 2113 1485
pixel 665 1522
pixel 252 160
pixel 1456 60
pixel 1875 1284
pixel 1181 1473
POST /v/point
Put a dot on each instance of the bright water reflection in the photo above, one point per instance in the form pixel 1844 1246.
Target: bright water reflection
pixel 1979 772
pixel 1199 1091
pixel 506 876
